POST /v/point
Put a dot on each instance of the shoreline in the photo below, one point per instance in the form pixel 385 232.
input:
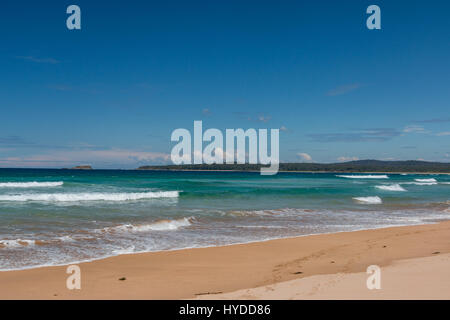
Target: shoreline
pixel 91 260
pixel 189 273
pixel 206 246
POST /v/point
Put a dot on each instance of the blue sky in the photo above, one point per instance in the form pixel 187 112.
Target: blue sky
pixel 111 93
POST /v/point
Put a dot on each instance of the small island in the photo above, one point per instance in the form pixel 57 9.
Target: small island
pixel 87 167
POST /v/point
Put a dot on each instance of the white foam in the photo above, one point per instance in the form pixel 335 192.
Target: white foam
pixel 31 184
pixel 284 212
pixel 161 225
pixel 425 180
pixel 261 227
pixel 16 243
pixel 66 239
pixel 421 183
pixel 380 176
pixel 393 187
pixel 369 200
pixel 128 250
pixel 75 197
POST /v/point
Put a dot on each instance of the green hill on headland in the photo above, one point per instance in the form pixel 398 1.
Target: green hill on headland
pixel 351 166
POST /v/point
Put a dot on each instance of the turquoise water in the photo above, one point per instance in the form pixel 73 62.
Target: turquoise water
pixel 51 217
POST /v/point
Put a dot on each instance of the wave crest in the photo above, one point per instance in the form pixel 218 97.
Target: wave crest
pixel 393 187
pixel 426 180
pixel 422 183
pixel 161 225
pixel 273 212
pixel 76 197
pixel 370 176
pixel 31 184
pixel 369 200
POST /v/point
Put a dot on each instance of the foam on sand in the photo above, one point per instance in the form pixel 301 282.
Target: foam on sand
pixel 76 197
pixel 31 184
pixel 369 200
pixel 272 212
pixel 16 243
pixel 392 187
pixel 370 176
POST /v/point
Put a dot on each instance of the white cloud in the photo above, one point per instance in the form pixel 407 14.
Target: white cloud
pixel 218 154
pixel 263 118
pixel 445 133
pixel 304 156
pixel 344 89
pixel 343 159
pixel 414 129
pixel 39 60
pixel 283 128
pixel 252 117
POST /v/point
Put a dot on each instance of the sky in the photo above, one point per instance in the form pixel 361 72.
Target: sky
pixel 111 94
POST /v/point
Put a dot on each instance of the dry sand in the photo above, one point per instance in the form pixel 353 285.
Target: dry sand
pixel 419 278
pixel 320 266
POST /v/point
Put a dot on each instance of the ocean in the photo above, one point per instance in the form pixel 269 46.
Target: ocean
pixel 55 217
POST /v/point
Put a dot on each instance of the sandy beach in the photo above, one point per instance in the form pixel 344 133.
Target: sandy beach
pixel 414 261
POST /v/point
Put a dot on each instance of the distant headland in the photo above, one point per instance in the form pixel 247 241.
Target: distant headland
pixel 367 166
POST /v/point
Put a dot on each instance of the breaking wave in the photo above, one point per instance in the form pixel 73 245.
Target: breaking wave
pixel 161 225
pixel 31 184
pixel 379 176
pixel 75 197
pixel 426 180
pixel 393 187
pixel 369 200
pixel 421 183
pixel 274 212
